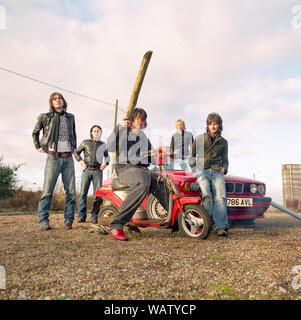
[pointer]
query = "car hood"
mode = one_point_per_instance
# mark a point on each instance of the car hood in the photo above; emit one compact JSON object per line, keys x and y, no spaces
{"x":182,"y":175}
{"x":230,"y":178}
{"x":190,"y":176}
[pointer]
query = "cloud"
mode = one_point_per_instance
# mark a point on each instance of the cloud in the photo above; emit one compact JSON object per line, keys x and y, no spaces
{"x":208,"y":56}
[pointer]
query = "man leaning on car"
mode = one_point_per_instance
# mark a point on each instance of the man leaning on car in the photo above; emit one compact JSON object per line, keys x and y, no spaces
{"x":209,"y":159}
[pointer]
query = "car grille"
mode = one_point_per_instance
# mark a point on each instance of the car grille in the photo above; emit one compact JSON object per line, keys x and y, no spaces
{"x":238,"y":187}
{"x":229,"y":187}
{"x":247,"y":187}
{"x":234,"y":187}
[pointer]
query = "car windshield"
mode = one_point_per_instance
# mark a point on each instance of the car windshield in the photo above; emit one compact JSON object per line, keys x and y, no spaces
{"x":172,"y":166}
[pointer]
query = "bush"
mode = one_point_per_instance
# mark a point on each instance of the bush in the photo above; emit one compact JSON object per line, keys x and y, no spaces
{"x":8,"y":180}
{"x":25,"y":201}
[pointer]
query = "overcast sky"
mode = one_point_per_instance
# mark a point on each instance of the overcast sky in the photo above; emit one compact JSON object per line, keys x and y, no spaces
{"x":240,"y":58}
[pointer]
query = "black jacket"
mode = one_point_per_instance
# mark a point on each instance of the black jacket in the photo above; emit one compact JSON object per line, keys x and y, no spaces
{"x":95,"y":153}
{"x":132,"y":149}
{"x":46,"y":122}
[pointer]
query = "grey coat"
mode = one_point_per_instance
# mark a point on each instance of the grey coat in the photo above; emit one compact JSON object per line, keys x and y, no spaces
{"x":180,"y":144}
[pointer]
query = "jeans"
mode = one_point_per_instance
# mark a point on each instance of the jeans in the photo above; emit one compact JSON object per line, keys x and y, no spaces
{"x":88,"y":176}
{"x":212,"y":185}
{"x":54,"y":166}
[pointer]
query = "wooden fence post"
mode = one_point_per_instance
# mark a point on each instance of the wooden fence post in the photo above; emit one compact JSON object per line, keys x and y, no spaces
{"x":138,"y":83}
{"x":135,"y":93}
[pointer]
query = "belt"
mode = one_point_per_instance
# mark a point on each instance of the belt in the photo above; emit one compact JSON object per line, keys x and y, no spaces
{"x":60,"y":154}
{"x":93,"y":168}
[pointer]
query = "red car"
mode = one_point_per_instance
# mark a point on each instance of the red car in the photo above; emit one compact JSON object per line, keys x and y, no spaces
{"x":246,"y":198}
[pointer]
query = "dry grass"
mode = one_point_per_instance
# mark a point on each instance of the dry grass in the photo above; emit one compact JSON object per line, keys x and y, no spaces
{"x":253,"y":263}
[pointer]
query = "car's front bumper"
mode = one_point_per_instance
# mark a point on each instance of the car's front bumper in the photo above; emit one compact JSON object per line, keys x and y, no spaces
{"x":260,"y":205}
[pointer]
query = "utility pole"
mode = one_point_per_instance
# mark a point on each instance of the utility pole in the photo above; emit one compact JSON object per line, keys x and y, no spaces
{"x":110,"y":173}
{"x":138,"y":83}
{"x":116,"y":109}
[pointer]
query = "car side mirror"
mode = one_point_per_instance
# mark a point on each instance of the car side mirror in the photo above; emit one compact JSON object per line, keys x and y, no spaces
{"x":160,"y":156}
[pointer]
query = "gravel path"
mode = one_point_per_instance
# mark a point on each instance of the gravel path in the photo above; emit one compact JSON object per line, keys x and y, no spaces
{"x":251,"y":263}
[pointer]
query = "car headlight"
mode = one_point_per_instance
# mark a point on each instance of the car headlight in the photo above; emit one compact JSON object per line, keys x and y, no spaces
{"x":253,"y":188}
{"x":191,"y":186}
{"x":195,"y":187}
{"x":260,"y":188}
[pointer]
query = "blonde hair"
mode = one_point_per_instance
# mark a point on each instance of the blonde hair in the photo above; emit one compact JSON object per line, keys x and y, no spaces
{"x":180,"y":120}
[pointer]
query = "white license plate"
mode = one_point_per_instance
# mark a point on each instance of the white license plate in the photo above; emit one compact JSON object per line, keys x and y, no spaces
{"x":239,"y":202}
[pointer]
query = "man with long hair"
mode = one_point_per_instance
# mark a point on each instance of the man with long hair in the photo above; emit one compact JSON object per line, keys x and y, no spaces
{"x":133,"y":156}
{"x":96,"y":158}
{"x":209,"y":159}
{"x":58,"y":142}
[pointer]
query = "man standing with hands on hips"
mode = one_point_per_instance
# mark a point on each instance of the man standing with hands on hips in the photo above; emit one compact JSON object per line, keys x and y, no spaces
{"x":96,"y":158}
{"x":58,"y":142}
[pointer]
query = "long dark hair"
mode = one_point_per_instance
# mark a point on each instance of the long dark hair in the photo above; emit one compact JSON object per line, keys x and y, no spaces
{"x":51,"y":109}
{"x":138,"y":112}
{"x":95,"y":126}
{"x":215,"y":117}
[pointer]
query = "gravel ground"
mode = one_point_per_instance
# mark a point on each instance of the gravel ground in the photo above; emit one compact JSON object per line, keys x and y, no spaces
{"x":250,"y":264}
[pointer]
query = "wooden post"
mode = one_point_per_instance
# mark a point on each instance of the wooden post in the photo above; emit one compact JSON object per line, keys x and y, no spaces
{"x":138,"y":84}
{"x":135,"y":93}
{"x":115,"y":118}
{"x":114,"y":154}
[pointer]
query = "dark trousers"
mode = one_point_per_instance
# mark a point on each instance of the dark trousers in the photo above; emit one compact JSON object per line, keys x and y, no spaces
{"x":88,"y":176}
{"x":141,"y":181}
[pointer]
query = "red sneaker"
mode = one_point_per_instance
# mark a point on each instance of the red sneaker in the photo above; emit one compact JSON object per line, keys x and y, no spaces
{"x":118,"y":234}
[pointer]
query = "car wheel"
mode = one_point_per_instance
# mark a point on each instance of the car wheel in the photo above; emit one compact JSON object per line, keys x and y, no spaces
{"x":106,"y":214}
{"x":194,"y":222}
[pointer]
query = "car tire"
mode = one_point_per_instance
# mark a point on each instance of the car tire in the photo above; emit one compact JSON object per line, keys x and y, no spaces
{"x":106,"y":214}
{"x":197,"y":213}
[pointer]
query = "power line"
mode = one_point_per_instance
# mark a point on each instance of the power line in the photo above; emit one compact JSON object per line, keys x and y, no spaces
{"x":62,"y":89}
{"x":59,"y":88}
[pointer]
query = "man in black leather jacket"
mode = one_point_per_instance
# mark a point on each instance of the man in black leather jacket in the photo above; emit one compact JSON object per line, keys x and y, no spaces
{"x":96,"y":158}
{"x":58,"y":142}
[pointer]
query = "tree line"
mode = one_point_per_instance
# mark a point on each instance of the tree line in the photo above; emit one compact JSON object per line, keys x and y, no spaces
{"x":13,"y":198}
